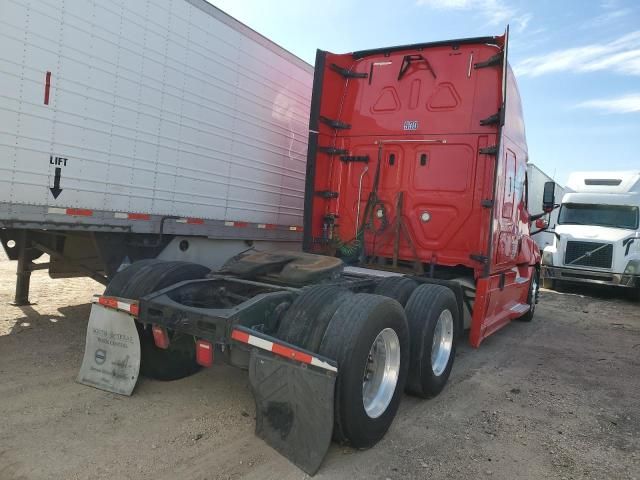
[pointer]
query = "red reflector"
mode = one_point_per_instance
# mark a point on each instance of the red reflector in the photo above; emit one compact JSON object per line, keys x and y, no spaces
{"x":134,"y":309}
{"x":160,"y":337}
{"x":108,"y":302}
{"x":204,"y":353}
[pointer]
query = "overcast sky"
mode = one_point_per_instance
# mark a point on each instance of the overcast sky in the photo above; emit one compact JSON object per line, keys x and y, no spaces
{"x":577,"y":62}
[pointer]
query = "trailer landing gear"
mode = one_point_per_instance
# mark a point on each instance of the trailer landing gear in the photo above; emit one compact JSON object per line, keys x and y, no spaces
{"x":24,"y":269}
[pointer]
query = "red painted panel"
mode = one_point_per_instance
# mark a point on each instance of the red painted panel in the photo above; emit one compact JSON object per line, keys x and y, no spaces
{"x":422,"y":117}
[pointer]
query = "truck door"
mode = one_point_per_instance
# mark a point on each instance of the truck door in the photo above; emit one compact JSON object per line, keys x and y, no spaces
{"x":507,"y":247}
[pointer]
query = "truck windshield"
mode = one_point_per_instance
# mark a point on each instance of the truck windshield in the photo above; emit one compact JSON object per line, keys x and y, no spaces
{"x":617,"y":216}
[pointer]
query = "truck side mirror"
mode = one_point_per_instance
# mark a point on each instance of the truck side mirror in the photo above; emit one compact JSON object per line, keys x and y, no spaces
{"x":542,"y":223}
{"x":549,"y":196}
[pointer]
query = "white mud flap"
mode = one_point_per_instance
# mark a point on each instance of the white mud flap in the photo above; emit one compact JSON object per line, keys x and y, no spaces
{"x":112,"y":351}
{"x":294,"y":408}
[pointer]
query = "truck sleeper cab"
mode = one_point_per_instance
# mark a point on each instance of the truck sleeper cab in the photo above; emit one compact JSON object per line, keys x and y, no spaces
{"x":416,"y":228}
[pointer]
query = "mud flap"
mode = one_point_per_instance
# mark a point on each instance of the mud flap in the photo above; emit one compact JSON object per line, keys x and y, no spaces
{"x":112,"y":351}
{"x":294,"y":408}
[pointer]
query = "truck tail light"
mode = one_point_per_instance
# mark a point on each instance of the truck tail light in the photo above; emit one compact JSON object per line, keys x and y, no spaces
{"x":204,"y":353}
{"x":160,"y":337}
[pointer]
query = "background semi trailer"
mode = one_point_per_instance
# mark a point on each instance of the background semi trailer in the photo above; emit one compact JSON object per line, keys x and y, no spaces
{"x":416,"y":228}
{"x":166,"y":129}
{"x":597,"y":236}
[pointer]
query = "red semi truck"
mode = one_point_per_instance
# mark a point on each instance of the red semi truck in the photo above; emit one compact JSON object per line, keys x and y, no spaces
{"x":416,"y":228}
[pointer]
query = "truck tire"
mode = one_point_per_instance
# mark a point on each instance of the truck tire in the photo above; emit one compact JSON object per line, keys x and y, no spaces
{"x":369,"y":338}
{"x":121,"y":279}
{"x":140,"y":279}
{"x":306,"y":320}
{"x":398,"y":288}
{"x":432,"y":311}
{"x":532,"y":296}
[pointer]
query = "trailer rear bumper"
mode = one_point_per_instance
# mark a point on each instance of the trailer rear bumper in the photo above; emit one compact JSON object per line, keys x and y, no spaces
{"x":589,"y":276}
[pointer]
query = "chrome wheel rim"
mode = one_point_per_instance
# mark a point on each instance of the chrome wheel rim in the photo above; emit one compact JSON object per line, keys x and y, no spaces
{"x":442,"y":343}
{"x":534,"y":292}
{"x":381,"y":373}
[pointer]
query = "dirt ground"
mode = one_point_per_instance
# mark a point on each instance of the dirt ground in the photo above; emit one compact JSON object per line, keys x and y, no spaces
{"x":556,"y":398}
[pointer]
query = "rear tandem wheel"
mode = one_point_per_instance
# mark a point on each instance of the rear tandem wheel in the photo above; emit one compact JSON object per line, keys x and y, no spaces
{"x":140,"y":279}
{"x":367,"y":336}
{"x":369,"y":339}
{"x":432,"y":313}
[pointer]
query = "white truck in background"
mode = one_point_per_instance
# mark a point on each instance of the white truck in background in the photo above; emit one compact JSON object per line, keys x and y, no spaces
{"x":597,"y":236}
{"x":536,"y":180}
{"x":131,"y":130}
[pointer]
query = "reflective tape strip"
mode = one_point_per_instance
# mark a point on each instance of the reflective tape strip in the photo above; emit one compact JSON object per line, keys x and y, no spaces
{"x":281,"y":350}
{"x":236,"y":224}
{"x":84,"y":212}
{"x":75,"y":212}
{"x":191,"y":221}
{"x":132,"y":216}
{"x":115,"y":303}
{"x":79,"y":212}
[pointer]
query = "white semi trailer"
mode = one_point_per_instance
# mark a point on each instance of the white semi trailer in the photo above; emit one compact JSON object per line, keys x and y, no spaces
{"x":131,"y":130}
{"x":597,"y":236}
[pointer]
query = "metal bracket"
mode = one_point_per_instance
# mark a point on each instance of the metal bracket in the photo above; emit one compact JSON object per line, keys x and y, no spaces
{"x":355,"y":158}
{"x":492,"y":150}
{"x":487,"y":203}
{"x":347,"y":73}
{"x":406,"y":62}
{"x":333,"y":150}
{"x":491,"y":119}
{"x":337,"y":124}
{"x":327,"y":194}
{"x":478,"y":257}
{"x":491,"y":62}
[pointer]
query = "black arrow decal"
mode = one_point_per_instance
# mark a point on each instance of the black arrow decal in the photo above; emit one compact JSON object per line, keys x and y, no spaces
{"x":56,"y":190}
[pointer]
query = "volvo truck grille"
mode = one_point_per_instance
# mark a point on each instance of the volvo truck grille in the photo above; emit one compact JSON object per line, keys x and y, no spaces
{"x":589,"y":254}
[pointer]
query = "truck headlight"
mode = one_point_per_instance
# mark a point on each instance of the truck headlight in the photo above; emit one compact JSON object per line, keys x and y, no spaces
{"x":633,"y":268}
{"x":547,"y":258}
